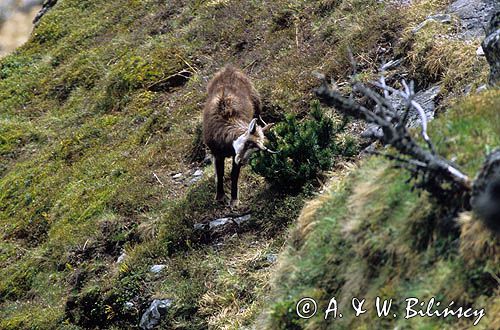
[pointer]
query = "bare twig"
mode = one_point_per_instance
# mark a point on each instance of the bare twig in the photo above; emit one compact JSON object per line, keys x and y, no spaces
{"x":158,"y":179}
{"x":432,"y":168}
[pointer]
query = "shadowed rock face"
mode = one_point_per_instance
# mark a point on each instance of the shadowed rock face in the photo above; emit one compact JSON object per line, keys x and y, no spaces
{"x":491,"y":48}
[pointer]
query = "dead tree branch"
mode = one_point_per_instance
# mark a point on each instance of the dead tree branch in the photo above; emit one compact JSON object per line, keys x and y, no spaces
{"x":437,"y":175}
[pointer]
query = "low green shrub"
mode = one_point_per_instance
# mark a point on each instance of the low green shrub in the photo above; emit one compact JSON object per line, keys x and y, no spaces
{"x":305,"y":148}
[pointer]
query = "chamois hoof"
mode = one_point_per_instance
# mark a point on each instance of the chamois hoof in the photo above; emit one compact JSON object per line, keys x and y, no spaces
{"x":222,"y":199}
{"x":234,"y":203}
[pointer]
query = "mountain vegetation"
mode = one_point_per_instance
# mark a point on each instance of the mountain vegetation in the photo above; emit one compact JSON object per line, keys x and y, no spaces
{"x":103,"y":172}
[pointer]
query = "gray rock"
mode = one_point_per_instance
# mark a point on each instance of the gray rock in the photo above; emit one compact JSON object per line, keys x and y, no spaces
{"x":481,"y":88}
{"x":121,"y":258}
{"x":425,"y":98}
{"x":128,"y":305}
{"x":177,"y":176}
{"x":198,"y":173}
{"x":194,"y":180}
{"x":480,"y":51}
{"x":272,"y":258}
{"x":152,"y":316}
{"x":441,"y":18}
{"x":491,"y":47}
{"x":474,"y":15}
{"x":157,"y":268}
{"x":220,"y":223}
{"x":207,"y":160}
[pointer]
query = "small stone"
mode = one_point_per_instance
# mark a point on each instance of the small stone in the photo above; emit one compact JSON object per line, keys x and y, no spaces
{"x":194,"y":180}
{"x":243,"y":218}
{"x":198,"y":173}
{"x":177,"y":176}
{"x":441,"y":18}
{"x":481,"y":88}
{"x":467,"y":89}
{"x":207,"y":160}
{"x":152,"y":316}
{"x":200,"y":226}
{"x":272,"y":258}
{"x":219,"y":222}
{"x":480,"y":51}
{"x":121,"y":258}
{"x":157,"y":268}
{"x":128,"y":305}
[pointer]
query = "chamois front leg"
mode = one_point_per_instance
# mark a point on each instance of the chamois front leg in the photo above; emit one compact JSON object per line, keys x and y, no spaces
{"x":235,"y":173}
{"x":219,"y":179}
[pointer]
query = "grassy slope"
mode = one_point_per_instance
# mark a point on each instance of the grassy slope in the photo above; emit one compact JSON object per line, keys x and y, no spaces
{"x":370,"y":236}
{"x":91,"y":107}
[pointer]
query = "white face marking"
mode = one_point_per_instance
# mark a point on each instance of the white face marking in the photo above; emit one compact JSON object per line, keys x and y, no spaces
{"x":239,"y":143}
{"x":242,"y":150}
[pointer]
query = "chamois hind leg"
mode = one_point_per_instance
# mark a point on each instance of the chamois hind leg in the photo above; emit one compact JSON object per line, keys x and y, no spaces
{"x":235,"y":173}
{"x":219,"y":179}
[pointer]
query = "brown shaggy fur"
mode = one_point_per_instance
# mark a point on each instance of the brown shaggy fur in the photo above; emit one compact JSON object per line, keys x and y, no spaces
{"x":231,"y":105}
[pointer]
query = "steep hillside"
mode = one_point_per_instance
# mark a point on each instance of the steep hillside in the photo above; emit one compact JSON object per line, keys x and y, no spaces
{"x":103,"y":173}
{"x":370,"y":236}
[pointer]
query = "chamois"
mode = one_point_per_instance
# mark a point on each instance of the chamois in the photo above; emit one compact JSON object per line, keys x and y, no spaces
{"x":230,"y":126}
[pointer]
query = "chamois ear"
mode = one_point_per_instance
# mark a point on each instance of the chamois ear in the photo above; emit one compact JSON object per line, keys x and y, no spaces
{"x":252,"y":126}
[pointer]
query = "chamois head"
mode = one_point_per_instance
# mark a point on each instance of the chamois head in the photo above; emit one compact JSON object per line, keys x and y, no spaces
{"x":250,"y":141}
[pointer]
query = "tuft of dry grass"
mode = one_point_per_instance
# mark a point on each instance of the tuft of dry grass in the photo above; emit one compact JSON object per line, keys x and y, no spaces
{"x":362,"y":193}
{"x":476,"y":241}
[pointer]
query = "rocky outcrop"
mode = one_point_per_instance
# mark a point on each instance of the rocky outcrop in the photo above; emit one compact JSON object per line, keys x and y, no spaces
{"x":426,"y":98}
{"x":491,"y":48}
{"x":473,"y":14}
